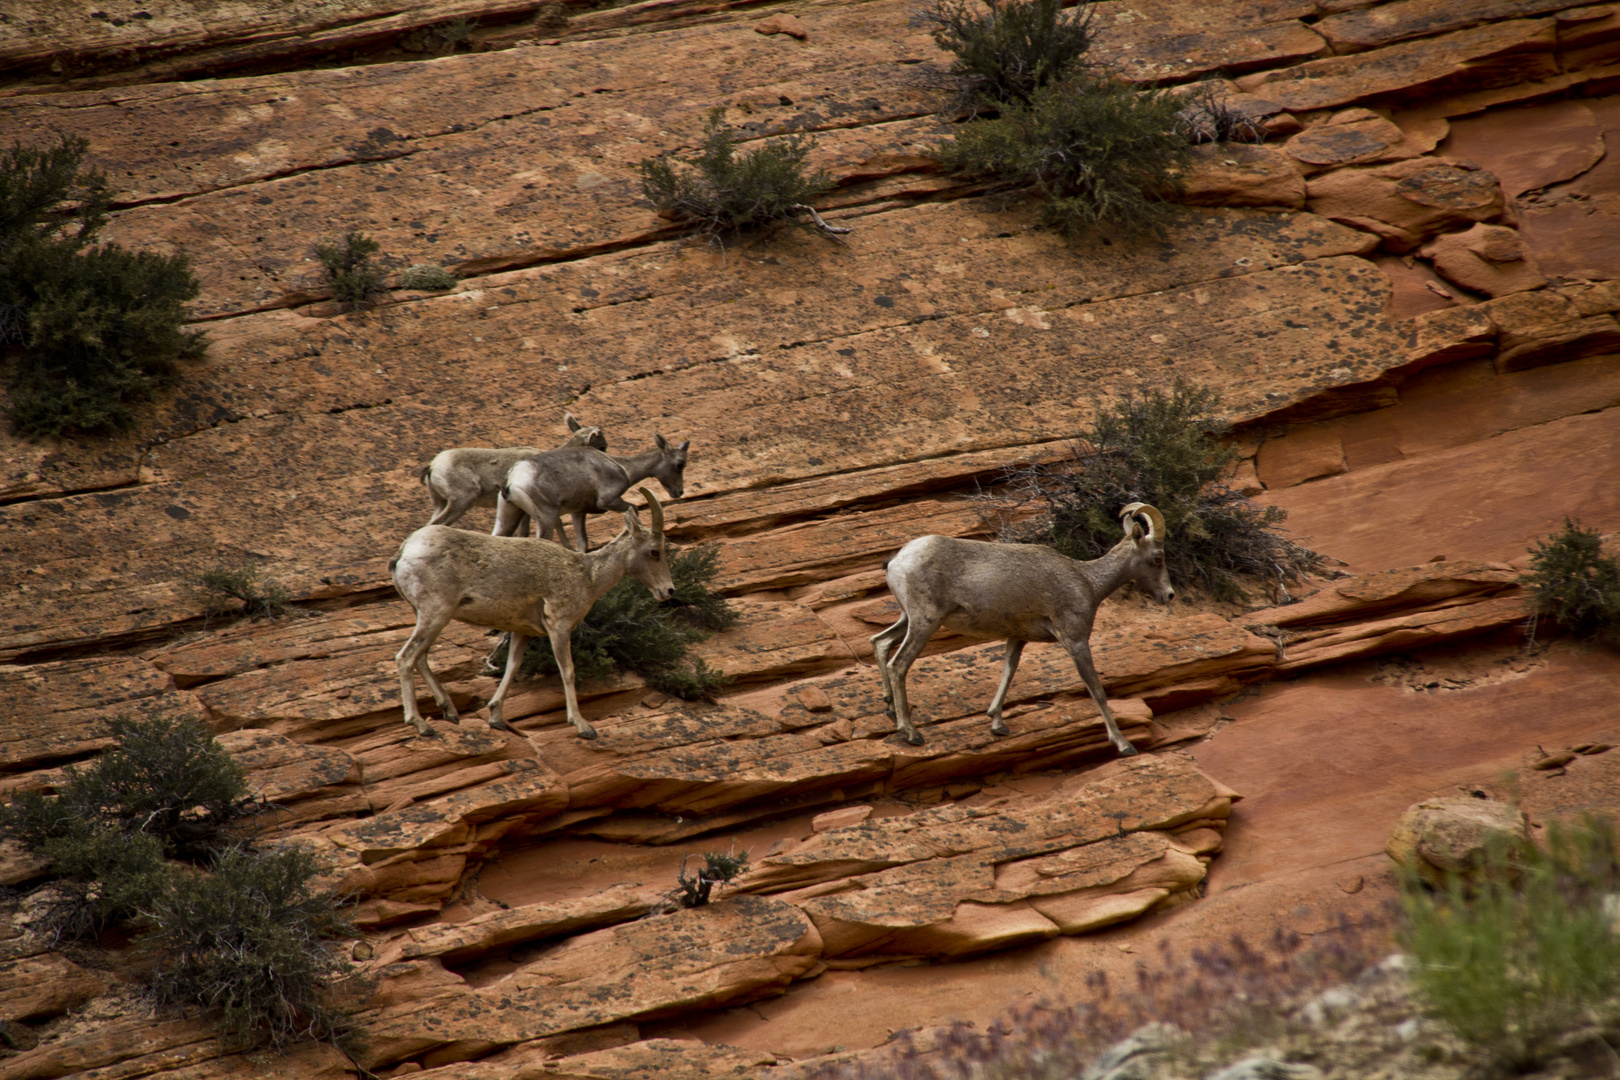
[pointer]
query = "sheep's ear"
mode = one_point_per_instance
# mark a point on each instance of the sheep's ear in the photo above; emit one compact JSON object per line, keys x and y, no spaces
{"x":573,"y":424}
{"x":659,"y":439}
{"x":633,"y":522}
{"x":684,"y":445}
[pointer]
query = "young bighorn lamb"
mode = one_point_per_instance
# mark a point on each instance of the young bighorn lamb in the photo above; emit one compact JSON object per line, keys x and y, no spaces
{"x":512,"y":583}
{"x":1020,"y":592}
{"x":580,"y":481}
{"x":468,"y":476}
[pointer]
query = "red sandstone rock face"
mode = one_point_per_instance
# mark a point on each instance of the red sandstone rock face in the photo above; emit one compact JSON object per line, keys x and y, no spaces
{"x":1423,"y":417}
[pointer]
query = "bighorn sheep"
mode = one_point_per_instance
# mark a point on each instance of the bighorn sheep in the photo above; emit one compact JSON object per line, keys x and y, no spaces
{"x":516,"y":585}
{"x":1020,"y":592}
{"x":577,"y":480}
{"x":468,"y":476}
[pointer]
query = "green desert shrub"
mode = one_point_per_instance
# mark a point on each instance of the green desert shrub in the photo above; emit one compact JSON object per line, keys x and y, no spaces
{"x":722,"y":192}
{"x":166,"y":778}
{"x":1099,"y":152}
{"x":1163,"y":449}
{"x":628,"y":630}
{"x":1574,"y":584}
{"x":166,"y":789}
{"x":254,"y":946}
{"x":249,"y":942}
{"x":427,"y":276}
{"x":356,"y":280}
{"x":225,"y":586}
{"x":1006,"y":50}
{"x":1516,"y":957}
{"x":104,"y":877}
{"x":86,"y":328}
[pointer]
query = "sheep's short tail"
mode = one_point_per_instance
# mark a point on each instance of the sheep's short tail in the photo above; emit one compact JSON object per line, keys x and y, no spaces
{"x":422,"y":473}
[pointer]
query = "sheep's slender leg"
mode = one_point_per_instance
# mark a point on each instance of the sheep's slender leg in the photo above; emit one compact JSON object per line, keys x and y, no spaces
{"x":562,"y":649}
{"x":516,"y":646}
{"x":428,"y":627}
{"x":439,"y":693}
{"x":1009,"y":668}
{"x":917,"y":634}
{"x":508,"y":517}
{"x":581,"y":544}
{"x":882,"y":642}
{"x":449,"y":509}
{"x":1081,"y":652}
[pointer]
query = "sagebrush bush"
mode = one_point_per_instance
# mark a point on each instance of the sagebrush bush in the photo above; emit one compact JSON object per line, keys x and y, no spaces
{"x":1162,"y":449}
{"x":1006,"y":50}
{"x":86,"y":329}
{"x":427,"y":276}
{"x":225,"y":586}
{"x":1097,"y":150}
{"x":1515,"y":957}
{"x":721,"y":192}
{"x":631,"y":631}
{"x":1574,"y":584}
{"x":253,"y":945}
{"x":356,"y":280}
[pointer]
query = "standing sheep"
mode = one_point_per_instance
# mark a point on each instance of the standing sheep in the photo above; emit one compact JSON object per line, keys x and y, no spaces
{"x":467,"y":476}
{"x":1020,"y":592}
{"x":514,"y":584}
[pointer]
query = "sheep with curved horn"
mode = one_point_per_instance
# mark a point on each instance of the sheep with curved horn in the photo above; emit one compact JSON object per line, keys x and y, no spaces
{"x":1020,"y":592}
{"x":514,"y":584}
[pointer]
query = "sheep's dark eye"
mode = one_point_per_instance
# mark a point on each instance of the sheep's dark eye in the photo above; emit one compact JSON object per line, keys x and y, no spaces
{"x":655,"y":555}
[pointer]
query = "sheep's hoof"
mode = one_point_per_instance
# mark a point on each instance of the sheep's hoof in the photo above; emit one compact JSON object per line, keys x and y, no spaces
{"x":914,"y":739}
{"x":452,"y":717}
{"x":1127,"y":750}
{"x":425,"y":730}
{"x":500,"y":725}
{"x":999,"y":727}
{"x":587,"y":733}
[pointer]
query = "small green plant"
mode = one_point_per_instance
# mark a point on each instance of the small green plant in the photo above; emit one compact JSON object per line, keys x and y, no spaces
{"x":721,"y":192}
{"x":717,"y":867}
{"x":253,"y":945}
{"x":1099,"y":152}
{"x":427,"y":276}
{"x":225,"y":586}
{"x":1162,"y":449}
{"x":86,"y":329}
{"x":1574,"y":584}
{"x":1515,"y":957}
{"x":1006,"y":50}
{"x":629,"y":630}
{"x":356,"y":282}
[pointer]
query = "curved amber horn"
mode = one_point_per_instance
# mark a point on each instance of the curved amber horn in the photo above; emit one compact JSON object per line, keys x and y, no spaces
{"x":658,"y":511}
{"x":1156,"y":529}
